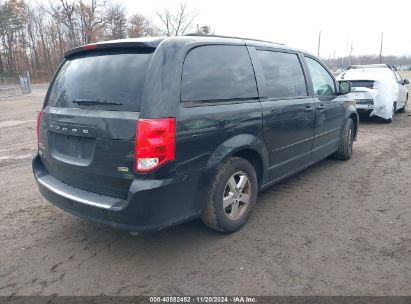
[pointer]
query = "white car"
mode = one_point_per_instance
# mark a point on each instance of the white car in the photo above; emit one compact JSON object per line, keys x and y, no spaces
{"x":377,"y":89}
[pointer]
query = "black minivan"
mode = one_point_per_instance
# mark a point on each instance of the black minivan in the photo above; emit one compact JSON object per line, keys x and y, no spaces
{"x":143,"y":134}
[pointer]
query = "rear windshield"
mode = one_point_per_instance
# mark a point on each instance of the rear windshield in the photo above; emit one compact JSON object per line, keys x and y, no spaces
{"x":362,"y":83}
{"x":109,"y":80}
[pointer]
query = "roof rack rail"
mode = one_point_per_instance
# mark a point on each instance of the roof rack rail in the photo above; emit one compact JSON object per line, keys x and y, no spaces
{"x":232,"y":37}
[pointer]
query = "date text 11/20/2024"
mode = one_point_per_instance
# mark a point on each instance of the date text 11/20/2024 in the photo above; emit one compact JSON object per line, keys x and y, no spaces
{"x":188,"y":299}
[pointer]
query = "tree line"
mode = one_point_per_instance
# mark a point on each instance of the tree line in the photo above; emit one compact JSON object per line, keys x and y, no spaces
{"x":34,"y":37}
{"x":344,"y":62}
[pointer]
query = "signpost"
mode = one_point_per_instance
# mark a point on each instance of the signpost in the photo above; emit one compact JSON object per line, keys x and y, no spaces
{"x":25,"y":84}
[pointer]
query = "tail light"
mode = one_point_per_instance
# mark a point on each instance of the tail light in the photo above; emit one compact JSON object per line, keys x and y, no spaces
{"x":155,"y":143}
{"x":38,"y":125}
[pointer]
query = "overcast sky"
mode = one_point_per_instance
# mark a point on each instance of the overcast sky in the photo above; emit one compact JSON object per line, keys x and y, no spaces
{"x":297,"y":22}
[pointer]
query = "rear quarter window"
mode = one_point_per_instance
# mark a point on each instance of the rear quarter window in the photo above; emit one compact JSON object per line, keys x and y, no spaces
{"x":218,"y":73}
{"x":103,"y":76}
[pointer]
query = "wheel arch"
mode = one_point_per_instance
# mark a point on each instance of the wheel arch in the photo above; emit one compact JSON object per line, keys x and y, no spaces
{"x":354,"y":116}
{"x":246,"y":146}
{"x":255,"y":159}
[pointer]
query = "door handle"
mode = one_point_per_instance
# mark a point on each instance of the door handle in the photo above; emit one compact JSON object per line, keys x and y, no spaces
{"x":321,"y":107}
{"x":308,"y":109}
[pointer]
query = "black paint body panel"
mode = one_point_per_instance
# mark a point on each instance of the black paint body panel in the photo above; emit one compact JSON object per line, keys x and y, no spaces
{"x":285,"y":135}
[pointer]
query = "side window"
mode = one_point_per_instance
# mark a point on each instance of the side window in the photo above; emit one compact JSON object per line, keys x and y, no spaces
{"x":399,"y":79}
{"x":323,"y":83}
{"x":284,"y":76}
{"x":218,"y":72}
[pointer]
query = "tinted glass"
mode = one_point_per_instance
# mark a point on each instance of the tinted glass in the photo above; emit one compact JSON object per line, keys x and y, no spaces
{"x":362,"y":83}
{"x":218,"y":72}
{"x":323,"y":83}
{"x":103,"y":77}
{"x":283,"y":73}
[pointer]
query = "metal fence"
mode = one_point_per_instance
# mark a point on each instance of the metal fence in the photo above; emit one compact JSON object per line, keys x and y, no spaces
{"x":15,"y":85}
{"x":9,"y":81}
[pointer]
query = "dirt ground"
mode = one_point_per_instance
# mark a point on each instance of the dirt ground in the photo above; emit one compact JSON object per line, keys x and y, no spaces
{"x":338,"y":228}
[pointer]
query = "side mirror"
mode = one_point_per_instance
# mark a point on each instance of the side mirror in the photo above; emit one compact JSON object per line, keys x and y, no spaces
{"x":344,"y":87}
{"x":405,"y":81}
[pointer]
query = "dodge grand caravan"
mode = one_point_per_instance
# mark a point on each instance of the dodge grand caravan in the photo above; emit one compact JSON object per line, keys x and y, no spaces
{"x":143,"y":134}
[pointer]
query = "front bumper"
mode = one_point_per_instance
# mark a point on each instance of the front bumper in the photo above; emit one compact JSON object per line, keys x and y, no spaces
{"x":151,"y":204}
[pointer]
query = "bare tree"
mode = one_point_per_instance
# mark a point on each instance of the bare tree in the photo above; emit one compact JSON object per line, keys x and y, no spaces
{"x":116,"y":22}
{"x":34,"y":37}
{"x":41,"y":31}
{"x":139,"y":26}
{"x":11,"y":28}
{"x":177,"y":23}
{"x":65,"y":13}
{"x":136,"y":26}
{"x":91,"y":19}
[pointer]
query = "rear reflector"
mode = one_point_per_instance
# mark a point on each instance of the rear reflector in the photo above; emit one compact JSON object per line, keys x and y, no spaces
{"x":38,"y":125}
{"x":155,"y":143}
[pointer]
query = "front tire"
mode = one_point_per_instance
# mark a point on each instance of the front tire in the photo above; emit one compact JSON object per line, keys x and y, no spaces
{"x":344,"y":151}
{"x":232,"y":196}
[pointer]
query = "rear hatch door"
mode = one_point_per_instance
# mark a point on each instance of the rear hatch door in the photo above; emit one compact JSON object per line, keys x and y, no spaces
{"x":88,"y":126}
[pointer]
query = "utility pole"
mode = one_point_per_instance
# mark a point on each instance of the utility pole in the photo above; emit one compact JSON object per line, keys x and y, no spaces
{"x":345,"y":55}
{"x":382,"y":37}
{"x":351,"y":53}
{"x":319,"y":43}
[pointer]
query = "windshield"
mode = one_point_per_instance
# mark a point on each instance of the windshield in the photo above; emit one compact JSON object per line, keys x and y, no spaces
{"x":109,"y":80}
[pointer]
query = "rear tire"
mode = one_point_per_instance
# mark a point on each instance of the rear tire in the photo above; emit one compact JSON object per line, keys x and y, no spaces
{"x":404,"y":108}
{"x":232,"y":196}
{"x":344,"y":151}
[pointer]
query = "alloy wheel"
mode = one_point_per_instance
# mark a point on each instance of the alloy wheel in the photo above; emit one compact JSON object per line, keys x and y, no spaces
{"x":236,"y":197}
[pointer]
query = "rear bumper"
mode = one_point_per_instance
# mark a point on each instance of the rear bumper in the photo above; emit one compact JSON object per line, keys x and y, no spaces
{"x":365,"y":107}
{"x":364,"y":104}
{"x":151,"y":204}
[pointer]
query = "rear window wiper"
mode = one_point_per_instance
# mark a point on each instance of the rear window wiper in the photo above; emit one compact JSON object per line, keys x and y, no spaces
{"x":91,"y":102}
